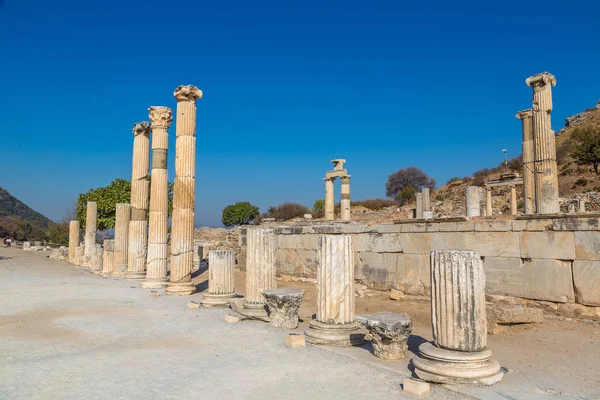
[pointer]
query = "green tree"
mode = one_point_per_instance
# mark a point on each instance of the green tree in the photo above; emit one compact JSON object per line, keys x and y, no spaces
{"x":319,"y":206}
{"x":241,"y":213}
{"x":587,"y":147}
{"x":399,"y":183}
{"x":406,"y":194}
{"x":59,"y":233}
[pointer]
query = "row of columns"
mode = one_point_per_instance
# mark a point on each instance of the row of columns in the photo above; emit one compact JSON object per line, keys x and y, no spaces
{"x":473,"y":201}
{"x":345,"y":204}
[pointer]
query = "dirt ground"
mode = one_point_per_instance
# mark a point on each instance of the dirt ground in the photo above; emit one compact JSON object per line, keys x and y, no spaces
{"x":556,"y":358}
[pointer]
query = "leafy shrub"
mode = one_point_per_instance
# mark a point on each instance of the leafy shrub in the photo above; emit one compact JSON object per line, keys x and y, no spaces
{"x":581,"y":182}
{"x":454,"y":181}
{"x":319,"y":206}
{"x":241,"y":213}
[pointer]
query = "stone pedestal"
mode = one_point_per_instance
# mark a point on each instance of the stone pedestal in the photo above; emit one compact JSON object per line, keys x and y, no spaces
{"x":427,"y":214}
{"x":91,"y":220}
{"x":419,"y":201}
{"x":260,"y":271}
{"x":108,"y":258}
{"x":528,"y":161}
{"x":284,"y":305}
{"x":345,"y":200}
{"x":138,"y":226}
{"x":458,"y":315}
{"x":389,"y":333}
{"x":221,"y":279}
{"x":122,"y":218}
{"x":73,"y":240}
{"x":335,"y":323}
{"x":513,"y":200}
{"x":488,"y":202}
{"x":156,"y":262}
{"x":329,"y":200}
{"x":473,"y":201}
{"x":182,"y":226}
{"x":546,"y":171}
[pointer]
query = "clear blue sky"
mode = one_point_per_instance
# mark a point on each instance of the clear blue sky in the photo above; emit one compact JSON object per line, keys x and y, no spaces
{"x":288,"y":85}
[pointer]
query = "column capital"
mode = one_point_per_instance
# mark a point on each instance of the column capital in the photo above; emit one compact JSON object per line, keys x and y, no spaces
{"x":523,"y":114}
{"x":187,"y":93}
{"x":141,"y":128}
{"x":161,"y":117}
{"x":541,"y":80}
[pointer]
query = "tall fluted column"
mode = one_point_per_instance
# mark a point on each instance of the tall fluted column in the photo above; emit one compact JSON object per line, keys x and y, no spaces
{"x":335,"y":323}
{"x":345,"y":204}
{"x":419,"y":205}
{"x":528,"y":161}
{"x":458,"y":317}
{"x":91,"y":220}
{"x":221,"y":278}
{"x":182,"y":227}
{"x":426,"y":199}
{"x":73,"y":239}
{"x":488,"y":202}
{"x":260,"y":271}
{"x":472,"y":200}
{"x":108,"y":258}
{"x":513,"y":200}
{"x":122,"y":218}
{"x":329,"y":200}
{"x":546,"y":171}
{"x":156,"y":267}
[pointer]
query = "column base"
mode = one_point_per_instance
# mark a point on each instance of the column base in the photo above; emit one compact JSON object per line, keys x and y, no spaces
{"x":180,"y":288}
{"x":216,"y":300}
{"x":96,"y":272}
{"x":255,"y":311}
{"x":135,"y":275}
{"x":439,"y":365}
{"x":343,"y":335}
{"x":157,"y":283}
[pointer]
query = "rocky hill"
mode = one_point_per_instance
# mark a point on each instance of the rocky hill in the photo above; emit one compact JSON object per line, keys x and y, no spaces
{"x":10,"y":206}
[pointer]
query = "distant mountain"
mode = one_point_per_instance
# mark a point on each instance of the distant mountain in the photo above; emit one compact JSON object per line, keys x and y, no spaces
{"x":10,"y":206}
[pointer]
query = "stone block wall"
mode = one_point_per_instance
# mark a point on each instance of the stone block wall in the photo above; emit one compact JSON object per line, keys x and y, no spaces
{"x":544,"y":259}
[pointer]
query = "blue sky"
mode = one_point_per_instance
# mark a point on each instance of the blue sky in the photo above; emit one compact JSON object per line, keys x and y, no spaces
{"x":288,"y":85}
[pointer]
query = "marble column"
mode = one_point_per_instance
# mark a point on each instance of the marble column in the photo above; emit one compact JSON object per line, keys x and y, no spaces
{"x":345,"y":204}
{"x":472,"y":201}
{"x":91,"y":220}
{"x":335,"y":323}
{"x":122,"y":219}
{"x":156,"y":266}
{"x":426,"y":199}
{"x":528,"y":161}
{"x":138,"y":225}
{"x":458,"y":353}
{"x":419,"y":201}
{"x":108,"y":258}
{"x":260,"y":271}
{"x":488,"y":202}
{"x":513,"y":200}
{"x":73,"y":239}
{"x":546,"y":171}
{"x":329,"y":199}
{"x":97,"y":260}
{"x":221,"y":279}
{"x":184,"y":192}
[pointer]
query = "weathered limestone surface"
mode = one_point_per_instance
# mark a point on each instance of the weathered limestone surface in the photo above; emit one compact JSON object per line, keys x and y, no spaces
{"x":108,"y":258}
{"x":91,"y":220}
{"x":419,"y":205}
{"x":504,"y":276}
{"x":547,"y":279}
{"x":426,"y":199}
{"x":546,"y":173}
{"x":260,"y":271}
{"x":389,"y":333}
{"x":528,"y":155}
{"x":345,"y":199}
{"x":182,"y":226}
{"x":335,"y":323}
{"x":558,"y":245}
{"x":458,"y":315}
{"x":221,"y":279}
{"x":138,"y":227}
{"x":73,"y":239}
{"x":96,"y":263}
{"x":122,"y":218}
{"x":283,"y":305}
{"x":329,"y":199}
{"x":473,"y":201}
{"x":156,"y":262}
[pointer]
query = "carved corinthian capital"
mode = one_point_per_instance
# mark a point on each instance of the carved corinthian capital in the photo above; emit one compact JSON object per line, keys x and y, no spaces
{"x":541,"y":80}
{"x":141,"y":128}
{"x":160,"y":116}
{"x":187,"y":93}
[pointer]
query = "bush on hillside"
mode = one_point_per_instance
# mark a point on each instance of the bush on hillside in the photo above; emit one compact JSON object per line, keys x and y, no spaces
{"x":241,"y":213}
{"x":402,"y":184}
{"x":287,"y":211}
{"x":586,"y":150}
{"x":374,"y":204}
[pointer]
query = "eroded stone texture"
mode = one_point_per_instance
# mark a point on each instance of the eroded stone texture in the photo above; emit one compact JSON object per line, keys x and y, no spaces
{"x":389,"y":333}
{"x":335,"y":323}
{"x":122,"y":218}
{"x":96,"y":263}
{"x":108,"y":258}
{"x":73,"y":239}
{"x":473,"y":201}
{"x":283,"y":305}
{"x":136,"y":253}
{"x":260,"y":271}
{"x":182,"y":226}
{"x":91,"y":220}
{"x":528,"y":161}
{"x":221,"y":279}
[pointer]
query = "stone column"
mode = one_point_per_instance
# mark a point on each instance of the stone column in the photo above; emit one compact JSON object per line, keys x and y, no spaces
{"x":581,"y":205}
{"x":156,"y":266}
{"x":472,"y":201}
{"x":96,"y":264}
{"x":546,"y":172}
{"x":260,"y":271}
{"x":345,"y":201}
{"x":458,"y":316}
{"x":91,"y":220}
{"x":426,"y":199}
{"x":122,"y":219}
{"x":329,"y":199}
{"x":73,"y":239}
{"x":138,"y":226}
{"x":528,"y":162}
{"x":182,"y":226}
{"x":221,"y":279}
{"x":488,"y":202}
{"x":335,"y":323}
{"x":419,"y":199}
{"x":513,"y":200}
{"x":108,"y":258}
